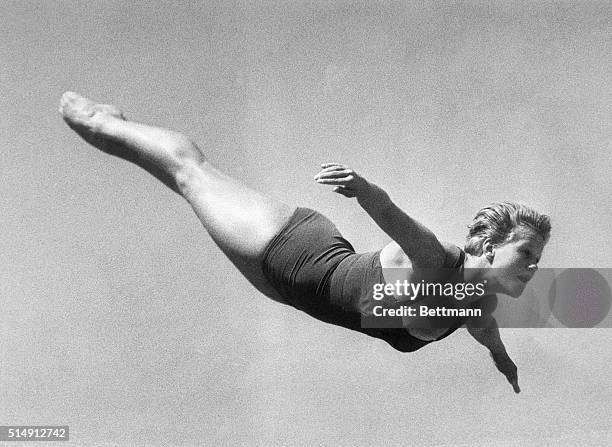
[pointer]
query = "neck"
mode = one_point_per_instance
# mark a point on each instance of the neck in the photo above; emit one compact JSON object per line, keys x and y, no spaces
{"x":478,"y":270}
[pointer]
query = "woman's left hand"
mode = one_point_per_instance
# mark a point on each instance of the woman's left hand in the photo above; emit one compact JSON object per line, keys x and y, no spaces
{"x":346,"y":181}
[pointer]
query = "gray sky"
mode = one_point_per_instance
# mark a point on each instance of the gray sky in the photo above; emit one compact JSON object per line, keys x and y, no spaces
{"x":122,"y":319}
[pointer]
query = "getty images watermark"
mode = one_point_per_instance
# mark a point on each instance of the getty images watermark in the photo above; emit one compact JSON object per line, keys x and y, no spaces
{"x":553,"y":298}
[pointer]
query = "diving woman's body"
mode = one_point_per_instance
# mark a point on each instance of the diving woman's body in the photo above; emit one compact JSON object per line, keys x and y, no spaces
{"x":244,"y":223}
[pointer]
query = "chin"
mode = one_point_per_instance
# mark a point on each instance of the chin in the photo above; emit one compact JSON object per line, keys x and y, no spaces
{"x":513,"y":289}
{"x":516,"y":291}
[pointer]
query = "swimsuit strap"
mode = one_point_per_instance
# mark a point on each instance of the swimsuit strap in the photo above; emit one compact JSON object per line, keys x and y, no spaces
{"x":461,"y":259}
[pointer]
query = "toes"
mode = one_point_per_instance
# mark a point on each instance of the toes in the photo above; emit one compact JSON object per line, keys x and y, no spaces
{"x":64,"y":100}
{"x":77,"y":108}
{"x":71,"y":104}
{"x":69,"y":99}
{"x":69,"y":96}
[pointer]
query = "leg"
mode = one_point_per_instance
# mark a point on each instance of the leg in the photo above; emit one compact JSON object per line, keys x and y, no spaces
{"x":241,"y":221}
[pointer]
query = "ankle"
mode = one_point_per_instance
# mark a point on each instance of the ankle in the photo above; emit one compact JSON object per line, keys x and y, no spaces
{"x":188,"y":176}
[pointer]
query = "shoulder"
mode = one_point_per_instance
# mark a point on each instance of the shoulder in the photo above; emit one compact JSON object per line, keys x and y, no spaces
{"x":454,"y":256}
{"x":487,"y":304}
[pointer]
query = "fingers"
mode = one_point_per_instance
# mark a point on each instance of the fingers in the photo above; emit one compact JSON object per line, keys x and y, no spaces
{"x":340,"y":176}
{"x":513,"y":379}
{"x":331,"y":165}
{"x":506,"y":366}
{"x":515,"y":385}
{"x":333,"y":170}
{"x":336,"y":181}
{"x":333,"y":173}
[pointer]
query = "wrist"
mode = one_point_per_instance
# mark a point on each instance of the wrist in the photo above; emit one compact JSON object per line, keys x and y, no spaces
{"x":365,"y":192}
{"x":370,"y":194}
{"x":499,"y":356}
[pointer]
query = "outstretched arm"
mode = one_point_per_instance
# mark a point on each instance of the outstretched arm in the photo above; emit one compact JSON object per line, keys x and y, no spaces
{"x":417,"y":241}
{"x":486,"y":332}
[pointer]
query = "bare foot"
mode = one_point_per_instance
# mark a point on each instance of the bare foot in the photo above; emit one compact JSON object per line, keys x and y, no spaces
{"x":97,"y":124}
{"x":87,"y":119}
{"x":81,"y":111}
{"x":164,"y":153}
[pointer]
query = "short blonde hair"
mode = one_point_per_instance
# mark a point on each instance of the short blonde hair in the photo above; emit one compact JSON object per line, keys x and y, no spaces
{"x":498,"y":222}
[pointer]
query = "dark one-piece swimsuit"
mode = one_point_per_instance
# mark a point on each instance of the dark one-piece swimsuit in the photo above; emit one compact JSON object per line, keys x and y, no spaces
{"x":317,"y":271}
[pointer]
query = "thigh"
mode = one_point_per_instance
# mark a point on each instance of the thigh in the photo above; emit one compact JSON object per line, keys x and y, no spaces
{"x":240,"y":220}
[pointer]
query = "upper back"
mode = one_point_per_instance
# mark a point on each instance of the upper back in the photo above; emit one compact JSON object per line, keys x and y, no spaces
{"x":392,"y":256}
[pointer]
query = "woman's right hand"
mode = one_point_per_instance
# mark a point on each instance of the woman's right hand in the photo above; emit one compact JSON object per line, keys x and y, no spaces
{"x":346,"y":181}
{"x":506,"y":366}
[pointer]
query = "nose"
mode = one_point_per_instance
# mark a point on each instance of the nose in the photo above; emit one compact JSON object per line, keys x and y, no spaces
{"x":532,"y":267}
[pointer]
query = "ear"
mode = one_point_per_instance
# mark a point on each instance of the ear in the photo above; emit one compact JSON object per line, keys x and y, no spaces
{"x":488,"y":250}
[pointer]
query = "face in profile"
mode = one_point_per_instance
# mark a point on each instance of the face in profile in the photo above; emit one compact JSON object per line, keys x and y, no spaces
{"x":516,"y":261}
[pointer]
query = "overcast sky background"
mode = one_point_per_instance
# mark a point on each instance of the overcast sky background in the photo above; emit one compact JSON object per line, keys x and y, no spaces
{"x":121,"y":319}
